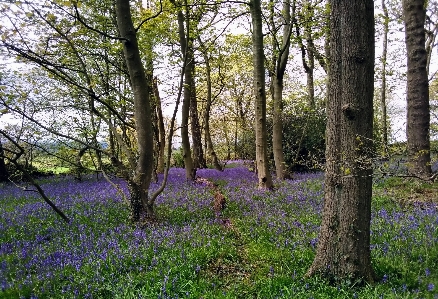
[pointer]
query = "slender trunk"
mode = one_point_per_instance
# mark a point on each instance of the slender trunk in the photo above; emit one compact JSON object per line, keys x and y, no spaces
{"x":418,"y":115}
{"x":310,"y":83}
{"x":277,"y":130}
{"x":383,"y":91}
{"x":430,"y":44}
{"x":310,"y":56}
{"x":198,"y":154}
{"x":161,"y":130}
{"x":79,"y":168}
{"x":343,"y":250}
{"x":279,"y":59}
{"x":264,"y":176}
{"x":140,"y":182}
{"x":228,"y":142}
{"x":209,"y":142}
{"x":185,"y":110}
{"x":307,"y":55}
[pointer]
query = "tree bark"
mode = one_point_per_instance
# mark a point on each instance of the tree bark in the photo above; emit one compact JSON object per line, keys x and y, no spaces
{"x":161,"y":130}
{"x":343,"y":250}
{"x":418,"y":115}
{"x":185,"y":110}
{"x":309,"y":63}
{"x":3,"y":171}
{"x":209,"y":100}
{"x":383,"y":91}
{"x":198,"y":153}
{"x":310,"y":54}
{"x":264,"y":176}
{"x":140,"y":182}
{"x":280,"y":58}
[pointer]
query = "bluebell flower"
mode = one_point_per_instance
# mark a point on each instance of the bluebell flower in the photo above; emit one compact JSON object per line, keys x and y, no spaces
{"x":427,"y":272}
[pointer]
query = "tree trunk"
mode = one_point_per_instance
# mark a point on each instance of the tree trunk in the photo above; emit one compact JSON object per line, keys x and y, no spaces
{"x":210,"y":148}
{"x":383,"y":91}
{"x":198,"y":154}
{"x":310,"y":78}
{"x":3,"y":171}
{"x":279,"y":62}
{"x":161,"y":130}
{"x":264,"y":176}
{"x":343,"y":250}
{"x":185,"y":110}
{"x":309,"y":63}
{"x":310,"y":56}
{"x":140,"y":182}
{"x":418,"y":116}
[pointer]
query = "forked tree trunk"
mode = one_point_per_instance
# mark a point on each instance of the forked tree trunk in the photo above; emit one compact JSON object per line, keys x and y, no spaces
{"x":307,"y":54}
{"x":140,"y":182}
{"x":418,"y":116}
{"x":279,"y":62}
{"x":264,"y":176}
{"x":343,"y":250}
{"x":185,"y":110}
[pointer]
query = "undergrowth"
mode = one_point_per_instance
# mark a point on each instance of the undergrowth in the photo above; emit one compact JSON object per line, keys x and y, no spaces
{"x":263,"y":250}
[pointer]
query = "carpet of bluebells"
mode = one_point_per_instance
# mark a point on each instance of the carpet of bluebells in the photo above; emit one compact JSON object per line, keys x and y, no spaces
{"x":263,"y":251}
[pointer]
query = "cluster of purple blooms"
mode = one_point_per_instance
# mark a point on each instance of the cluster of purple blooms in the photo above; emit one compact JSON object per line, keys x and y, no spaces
{"x":39,"y":253}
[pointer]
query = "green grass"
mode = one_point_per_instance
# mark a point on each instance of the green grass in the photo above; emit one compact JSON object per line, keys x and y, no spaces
{"x":264,"y":253}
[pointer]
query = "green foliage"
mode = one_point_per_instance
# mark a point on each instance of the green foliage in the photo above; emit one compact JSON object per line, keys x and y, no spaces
{"x":245,"y":146}
{"x":177,"y":159}
{"x":303,"y":136}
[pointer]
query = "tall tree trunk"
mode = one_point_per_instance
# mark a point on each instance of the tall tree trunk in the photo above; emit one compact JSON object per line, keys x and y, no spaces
{"x":310,"y":83}
{"x":161,"y":130}
{"x":198,"y":154}
{"x":140,"y":182}
{"x":383,"y":91}
{"x":209,"y":100}
{"x":185,"y":110}
{"x":309,"y":62}
{"x":280,"y":57}
{"x":310,"y":53}
{"x":264,"y":176}
{"x":3,"y":171}
{"x":418,"y":116}
{"x":343,"y":250}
